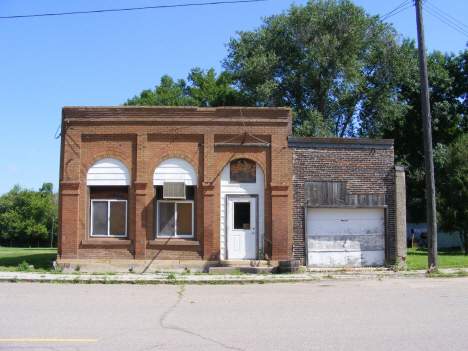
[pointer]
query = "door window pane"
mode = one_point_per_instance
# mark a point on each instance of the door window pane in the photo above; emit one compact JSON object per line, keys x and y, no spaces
{"x":99,"y":213}
{"x":166,"y":218}
{"x":118,"y":211}
{"x":184,"y":218}
{"x":241,"y":215}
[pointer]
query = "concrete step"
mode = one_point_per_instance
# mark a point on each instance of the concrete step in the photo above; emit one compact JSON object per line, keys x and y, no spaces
{"x":247,"y":263}
{"x":244,"y":269}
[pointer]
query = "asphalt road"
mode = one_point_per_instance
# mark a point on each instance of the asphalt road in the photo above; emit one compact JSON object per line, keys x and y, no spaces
{"x":396,"y":314}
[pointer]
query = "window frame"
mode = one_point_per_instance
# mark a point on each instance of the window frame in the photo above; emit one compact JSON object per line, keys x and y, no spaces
{"x":175,"y":235}
{"x":108,"y":235}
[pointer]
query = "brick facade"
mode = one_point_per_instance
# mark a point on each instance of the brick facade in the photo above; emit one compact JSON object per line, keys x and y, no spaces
{"x":143,"y":137}
{"x":367,"y":167}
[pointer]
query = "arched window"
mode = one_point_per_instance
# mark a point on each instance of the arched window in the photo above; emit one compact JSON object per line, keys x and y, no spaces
{"x":108,"y":180}
{"x":175,"y":183}
{"x":108,"y":171}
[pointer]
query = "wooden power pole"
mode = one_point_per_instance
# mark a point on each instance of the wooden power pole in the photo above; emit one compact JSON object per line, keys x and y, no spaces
{"x":428,"y":155}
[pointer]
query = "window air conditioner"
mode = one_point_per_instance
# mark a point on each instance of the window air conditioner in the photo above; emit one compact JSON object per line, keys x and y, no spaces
{"x":174,"y":190}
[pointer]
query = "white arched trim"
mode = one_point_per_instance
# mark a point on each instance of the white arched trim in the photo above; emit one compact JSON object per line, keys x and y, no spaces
{"x":108,"y":171}
{"x":175,"y":170}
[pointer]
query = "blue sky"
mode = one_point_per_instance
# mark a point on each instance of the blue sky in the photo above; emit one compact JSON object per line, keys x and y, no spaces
{"x":103,"y":59}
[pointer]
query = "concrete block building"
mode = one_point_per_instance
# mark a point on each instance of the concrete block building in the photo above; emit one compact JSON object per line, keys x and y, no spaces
{"x":199,"y":187}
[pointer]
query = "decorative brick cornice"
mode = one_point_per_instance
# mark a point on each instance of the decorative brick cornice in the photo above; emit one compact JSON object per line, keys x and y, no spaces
{"x":140,"y":187}
{"x":70,"y":187}
{"x":279,"y":189}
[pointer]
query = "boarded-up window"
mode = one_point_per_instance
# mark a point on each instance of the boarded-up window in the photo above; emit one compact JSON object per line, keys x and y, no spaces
{"x":243,"y":171}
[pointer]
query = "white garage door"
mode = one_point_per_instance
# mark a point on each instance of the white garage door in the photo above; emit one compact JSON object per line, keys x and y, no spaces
{"x":352,"y":237}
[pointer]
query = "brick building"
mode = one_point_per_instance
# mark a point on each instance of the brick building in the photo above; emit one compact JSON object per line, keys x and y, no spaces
{"x":190,"y":186}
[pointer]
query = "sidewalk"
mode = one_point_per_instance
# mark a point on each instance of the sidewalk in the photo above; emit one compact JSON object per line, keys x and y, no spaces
{"x":174,"y":278}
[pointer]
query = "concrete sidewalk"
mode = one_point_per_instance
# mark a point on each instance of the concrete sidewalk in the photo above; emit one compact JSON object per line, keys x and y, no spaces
{"x":206,"y":278}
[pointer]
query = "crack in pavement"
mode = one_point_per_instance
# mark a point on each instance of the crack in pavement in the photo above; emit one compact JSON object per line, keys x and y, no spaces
{"x":205,"y":338}
{"x":164,"y":315}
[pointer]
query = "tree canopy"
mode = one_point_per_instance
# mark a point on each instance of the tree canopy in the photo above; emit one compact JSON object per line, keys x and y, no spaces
{"x":447,"y":95}
{"x":204,"y":88}
{"x":335,"y":65}
{"x":26,"y":216}
{"x":453,"y":197}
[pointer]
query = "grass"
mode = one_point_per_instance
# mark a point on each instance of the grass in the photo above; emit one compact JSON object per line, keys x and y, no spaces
{"x":13,"y":257}
{"x":447,"y":258}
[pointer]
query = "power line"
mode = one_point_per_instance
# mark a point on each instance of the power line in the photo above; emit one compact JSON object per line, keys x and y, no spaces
{"x":399,"y":6}
{"x":132,"y":9}
{"x":384,"y":18}
{"x":445,"y":21}
{"x":436,"y":8}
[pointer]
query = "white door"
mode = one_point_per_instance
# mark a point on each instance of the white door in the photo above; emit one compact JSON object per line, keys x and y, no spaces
{"x":338,"y":237}
{"x":241,"y":228}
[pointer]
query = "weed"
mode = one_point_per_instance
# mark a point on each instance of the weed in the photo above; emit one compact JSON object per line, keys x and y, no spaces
{"x":23,"y":267}
{"x":14,"y":280}
{"x":328,"y":276}
{"x":263,"y":281}
{"x":78,"y":267}
{"x":181,"y":291}
{"x":171,"y":276}
{"x":217,"y":282}
{"x":76,"y":280}
{"x":236,"y":272}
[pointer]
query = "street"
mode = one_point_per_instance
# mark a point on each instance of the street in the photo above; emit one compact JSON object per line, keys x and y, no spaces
{"x":399,"y":314}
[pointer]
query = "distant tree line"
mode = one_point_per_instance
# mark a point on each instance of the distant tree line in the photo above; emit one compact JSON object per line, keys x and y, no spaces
{"x":28,"y":217}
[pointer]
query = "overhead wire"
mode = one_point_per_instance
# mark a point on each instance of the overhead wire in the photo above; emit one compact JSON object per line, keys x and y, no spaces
{"x":391,"y":14}
{"x":132,"y":9}
{"x":447,"y":21}
{"x":436,"y":8}
{"x":387,"y":15}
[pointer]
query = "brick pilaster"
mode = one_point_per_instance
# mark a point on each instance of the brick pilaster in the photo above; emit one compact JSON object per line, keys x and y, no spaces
{"x":140,"y":186}
{"x":209,"y":242}
{"x":139,"y":242}
{"x":69,"y":213}
{"x":281,"y":239}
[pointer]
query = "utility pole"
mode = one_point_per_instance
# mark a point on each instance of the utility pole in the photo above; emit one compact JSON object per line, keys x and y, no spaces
{"x":428,"y":155}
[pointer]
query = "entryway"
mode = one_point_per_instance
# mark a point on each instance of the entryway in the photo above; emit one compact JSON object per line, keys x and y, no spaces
{"x":242,"y":228}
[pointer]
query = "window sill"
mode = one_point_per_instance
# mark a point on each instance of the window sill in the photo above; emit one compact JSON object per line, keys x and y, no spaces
{"x":173,"y":242}
{"x":106,"y":242}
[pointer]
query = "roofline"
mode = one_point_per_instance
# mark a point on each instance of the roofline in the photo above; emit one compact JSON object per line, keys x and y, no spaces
{"x":339,"y":142}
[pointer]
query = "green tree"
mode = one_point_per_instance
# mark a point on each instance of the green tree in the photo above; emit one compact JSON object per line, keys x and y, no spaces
{"x":446,"y":101}
{"x":453,"y":191}
{"x":27,"y":216}
{"x":204,"y":89}
{"x":336,"y":66}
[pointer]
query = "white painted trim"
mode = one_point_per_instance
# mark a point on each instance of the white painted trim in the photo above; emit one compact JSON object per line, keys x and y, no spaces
{"x":108,"y":219}
{"x":175,"y":219}
{"x":175,"y":170}
{"x":236,"y":189}
{"x":108,"y":171}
